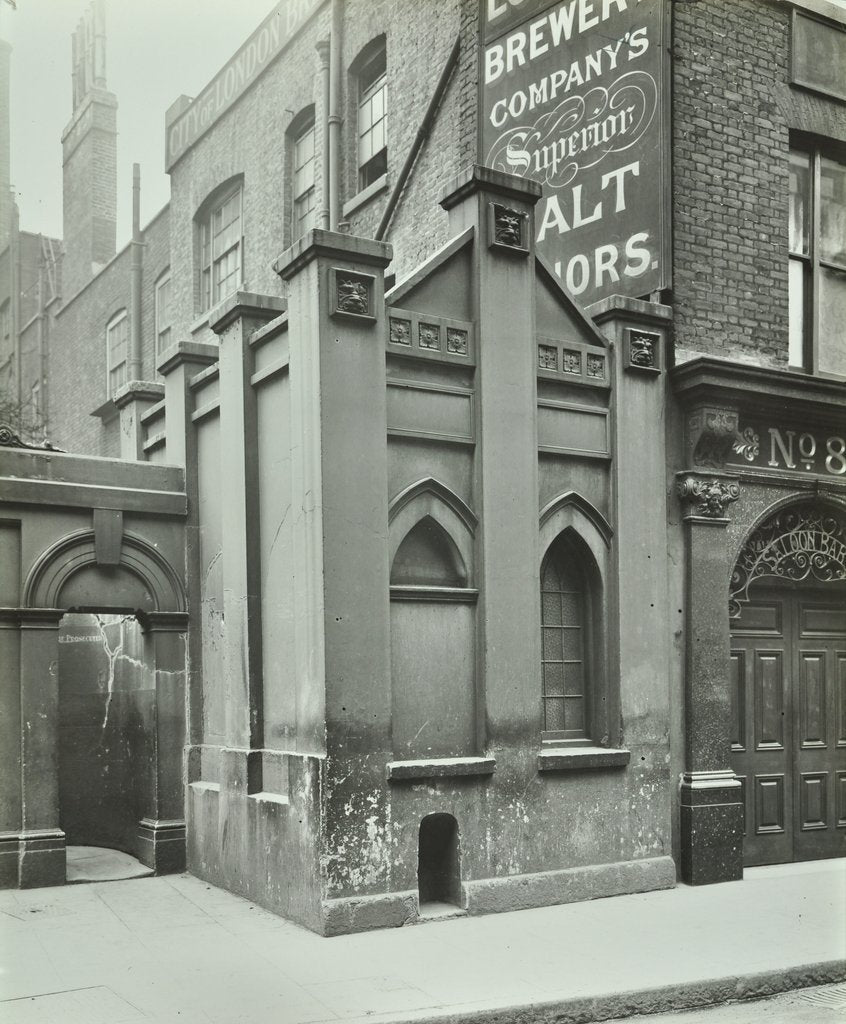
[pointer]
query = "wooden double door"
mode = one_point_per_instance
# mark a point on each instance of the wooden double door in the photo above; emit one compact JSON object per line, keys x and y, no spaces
{"x":788,"y":686}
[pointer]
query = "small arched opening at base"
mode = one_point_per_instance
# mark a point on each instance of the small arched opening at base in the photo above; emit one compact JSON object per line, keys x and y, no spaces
{"x":438,"y":862}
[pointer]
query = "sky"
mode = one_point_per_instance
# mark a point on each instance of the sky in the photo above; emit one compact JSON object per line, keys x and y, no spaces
{"x":156,"y":50}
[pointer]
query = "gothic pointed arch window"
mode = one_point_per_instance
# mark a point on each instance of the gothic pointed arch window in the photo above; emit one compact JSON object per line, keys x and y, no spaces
{"x":567,"y":641}
{"x":428,"y":557}
{"x":433,"y":625}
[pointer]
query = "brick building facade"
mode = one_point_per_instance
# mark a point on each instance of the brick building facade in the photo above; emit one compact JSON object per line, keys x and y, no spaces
{"x":416,"y":466}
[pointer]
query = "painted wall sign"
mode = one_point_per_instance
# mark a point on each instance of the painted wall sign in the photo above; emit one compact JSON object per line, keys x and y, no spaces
{"x":573,"y":96}
{"x":818,"y":55}
{"x":777,"y":447}
{"x":260,"y":50}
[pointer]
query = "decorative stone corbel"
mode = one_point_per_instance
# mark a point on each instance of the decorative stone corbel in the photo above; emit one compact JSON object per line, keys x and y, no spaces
{"x":711,"y":432}
{"x":706,"y":497}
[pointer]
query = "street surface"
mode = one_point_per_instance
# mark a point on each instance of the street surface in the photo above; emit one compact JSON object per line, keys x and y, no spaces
{"x":823,"y":1005}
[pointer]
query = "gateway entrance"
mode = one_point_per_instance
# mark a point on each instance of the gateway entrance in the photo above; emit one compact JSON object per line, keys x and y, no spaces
{"x":788,"y":685}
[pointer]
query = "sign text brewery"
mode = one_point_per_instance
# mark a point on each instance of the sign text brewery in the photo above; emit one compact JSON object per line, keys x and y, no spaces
{"x":263,"y":46}
{"x":572,"y":96}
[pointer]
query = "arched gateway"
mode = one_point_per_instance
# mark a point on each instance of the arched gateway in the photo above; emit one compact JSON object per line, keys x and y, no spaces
{"x":101,"y":538}
{"x":788,"y":684}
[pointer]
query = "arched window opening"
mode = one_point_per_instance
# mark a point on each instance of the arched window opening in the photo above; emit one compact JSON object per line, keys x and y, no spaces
{"x":164,"y":313}
{"x":301,"y":166}
{"x":117,"y":351}
{"x":428,"y":557}
{"x":438,"y":863}
{"x":566,"y":642}
{"x":370,"y":87}
{"x":220,"y":244}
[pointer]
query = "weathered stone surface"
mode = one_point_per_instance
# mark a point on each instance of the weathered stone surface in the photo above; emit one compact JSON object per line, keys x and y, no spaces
{"x":521,"y":892}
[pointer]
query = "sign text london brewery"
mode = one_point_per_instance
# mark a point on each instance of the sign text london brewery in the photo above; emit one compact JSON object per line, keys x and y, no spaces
{"x":263,"y":46}
{"x":573,"y":96}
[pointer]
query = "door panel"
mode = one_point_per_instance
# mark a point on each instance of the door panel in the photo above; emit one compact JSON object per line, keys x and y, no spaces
{"x":820,"y":649}
{"x":763,"y":727}
{"x":788,"y":684}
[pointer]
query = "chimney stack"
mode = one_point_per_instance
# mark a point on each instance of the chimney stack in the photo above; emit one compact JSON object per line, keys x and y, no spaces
{"x":89,"y":151}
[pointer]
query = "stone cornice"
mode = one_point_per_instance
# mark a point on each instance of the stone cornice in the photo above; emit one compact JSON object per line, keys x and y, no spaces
{"x":705,"y":380}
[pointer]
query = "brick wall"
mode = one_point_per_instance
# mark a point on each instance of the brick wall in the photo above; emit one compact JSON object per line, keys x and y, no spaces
{"x":77,"y":358}
{"x":733,"y":109}
{"x":252,"y":139}
{"x":89,"y":188}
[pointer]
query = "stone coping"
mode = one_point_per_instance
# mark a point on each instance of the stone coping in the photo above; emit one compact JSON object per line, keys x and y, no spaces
{"x":440,"y":767}
{"x":557,"y":759}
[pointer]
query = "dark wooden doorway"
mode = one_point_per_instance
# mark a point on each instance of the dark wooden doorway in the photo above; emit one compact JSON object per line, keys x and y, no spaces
{"x":788,"y":685}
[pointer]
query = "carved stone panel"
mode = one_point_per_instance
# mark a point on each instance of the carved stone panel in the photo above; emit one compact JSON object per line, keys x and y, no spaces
{"x":351,"y":294}
{"x":572,"y":361}
{"x":642,"y":350}
{"x":508,"y":229}
{"x":429,"y":336}
{"x":400,"y":331}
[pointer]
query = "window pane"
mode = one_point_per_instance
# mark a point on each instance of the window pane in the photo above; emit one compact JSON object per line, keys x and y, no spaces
{"x":551,"y":609}
{"x":800,"y":177}
{"x":162,"y":305}
{"x":365,"y":148}
{"x":796,"y":344}
{"x":574,"y":677}
{"x":832,"y":336}
{"x":554,"y":713}
{"x":575,"y":714}
{"x":832,"y":211}
{"x":377,"y":109}
{"x":572,"y":643}
{"x":571,"y":603}
{"x":553,"y":680}
{"x":552,"y":644}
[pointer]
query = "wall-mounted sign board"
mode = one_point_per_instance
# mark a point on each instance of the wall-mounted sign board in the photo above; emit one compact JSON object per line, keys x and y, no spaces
{"x":574,"y":94}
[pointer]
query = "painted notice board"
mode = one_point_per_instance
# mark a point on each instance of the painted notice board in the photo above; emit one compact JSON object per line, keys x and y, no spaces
{"x":574,"y":94}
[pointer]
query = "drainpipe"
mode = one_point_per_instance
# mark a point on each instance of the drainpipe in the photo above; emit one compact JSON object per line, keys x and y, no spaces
{"x":334,"y":119}
{"x":15,"y":303}
{"x":420,"y":138}
{"x":323,"y":48}
{"x":42,"y":353}
{"x":135,"y":265}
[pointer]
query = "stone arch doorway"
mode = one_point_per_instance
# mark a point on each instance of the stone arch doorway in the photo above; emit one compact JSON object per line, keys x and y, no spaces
{"x":78,"y":580}
{"x":788,"y":684}
{"x":106,"y":729}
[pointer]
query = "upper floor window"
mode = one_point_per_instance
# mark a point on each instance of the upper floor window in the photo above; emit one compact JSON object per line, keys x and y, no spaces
{"x":817,"y":271}
{"x":117,"y":351}
{"x":303,"y":213}
{"x":221,"y":246}
{"x":372,"y":118}
{"x":163,"y":313}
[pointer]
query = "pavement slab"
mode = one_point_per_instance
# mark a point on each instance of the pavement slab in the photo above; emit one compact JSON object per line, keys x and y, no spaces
{"x":175,"y":948}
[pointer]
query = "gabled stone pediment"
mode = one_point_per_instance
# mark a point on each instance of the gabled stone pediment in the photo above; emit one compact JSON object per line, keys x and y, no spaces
{"x":557,"y":313}
{"x":443,"y":284}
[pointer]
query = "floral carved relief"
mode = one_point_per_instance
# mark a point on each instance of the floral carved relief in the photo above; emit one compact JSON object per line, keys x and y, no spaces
{"x":707,"y":496}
